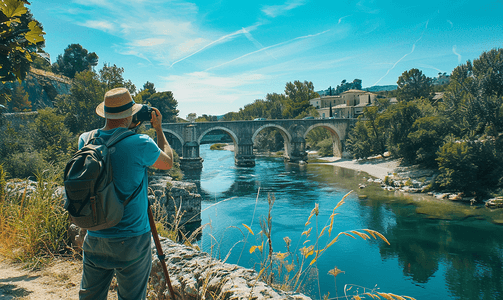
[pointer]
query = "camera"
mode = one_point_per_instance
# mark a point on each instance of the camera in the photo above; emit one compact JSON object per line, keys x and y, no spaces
{"x":144,"y":114}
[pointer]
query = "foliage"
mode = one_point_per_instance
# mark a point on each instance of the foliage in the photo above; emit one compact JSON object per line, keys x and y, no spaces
{"x":79,"y":106}
{"x":217,"y":146}
{"x":33,"y":225}
{"x":358,"y":142}
{"x":299,"y":94}
{"x":25,"y":164}
{"x":175,"y":172}
{"x":164,"y":101}
{"x":206,"y":118}
{"x":269,"y":140}
{"x":346,"y":86}
{"x":325,"y":147}
{"x":455,"y":160}
{"x":42,"y":64}
{"x":19,"y":101}
{"x":413,"y":84}
{"x":111,"y":77}
{"x":399,"y":119}
{"x":462,"y":135}
{"x":74,"y":60}
{"x":369,"y":135}
{"x":21,"y":37}
{"x":315,"y":136}
{"x":54,"y":140}
{"x":294,"y":104}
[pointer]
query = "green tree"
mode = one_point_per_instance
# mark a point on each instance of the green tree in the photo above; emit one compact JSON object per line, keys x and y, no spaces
{"x":166,"y":103}
{"x":456,"y":165}
{"x":112,"y":77}
{"x":399,"y":119}
{"x":413,"y":84}
{"x":369,"y":135}
{"x":346,"y":86}
{"x":21,"y":37}
{"x":79,"y":106}
{"x":299,"y":93}
{"x":358,"y":141}
{"x":74,"y":60}
{"x":488,"y":69}
{"x":317,"y":135}
{"x":427,"y":136}
{"x":53,"y":140}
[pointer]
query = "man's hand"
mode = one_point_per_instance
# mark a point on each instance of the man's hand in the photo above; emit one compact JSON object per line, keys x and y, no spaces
{"x":156,"y":120}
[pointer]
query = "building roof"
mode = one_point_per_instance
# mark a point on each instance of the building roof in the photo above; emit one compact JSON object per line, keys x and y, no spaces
{"x":357,"y":91}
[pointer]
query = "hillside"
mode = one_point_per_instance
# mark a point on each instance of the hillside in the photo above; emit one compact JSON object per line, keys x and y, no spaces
{"x":42,"y":87}
{"x":379,"y":88}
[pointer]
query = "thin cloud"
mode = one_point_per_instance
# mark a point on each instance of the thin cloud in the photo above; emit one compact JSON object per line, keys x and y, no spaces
{"x":342,"y":18}
{"x":216,"y":42}
{"x":276,"y":10}
{"x":455,"y":52}
{"x":266,"y":48}
{"x":100,"y":25}
{"x":412,"y":51}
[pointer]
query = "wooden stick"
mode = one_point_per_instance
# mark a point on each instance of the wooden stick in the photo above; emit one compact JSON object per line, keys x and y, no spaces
{"x":160,"y":254}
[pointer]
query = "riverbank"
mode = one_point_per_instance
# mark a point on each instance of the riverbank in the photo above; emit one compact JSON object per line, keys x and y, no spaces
{"x":379,"y":168}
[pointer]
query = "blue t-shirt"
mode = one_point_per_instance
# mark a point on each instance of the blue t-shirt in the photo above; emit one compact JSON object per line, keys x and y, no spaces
{"x":130,"y":160}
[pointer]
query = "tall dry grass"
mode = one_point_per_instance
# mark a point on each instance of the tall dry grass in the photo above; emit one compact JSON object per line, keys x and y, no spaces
{"x":290,"y":270}
{"x":33,"y":224}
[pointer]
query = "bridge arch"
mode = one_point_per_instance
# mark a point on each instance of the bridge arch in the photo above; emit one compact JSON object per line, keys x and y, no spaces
{"x":336,"y":136}
{"x":224,"y":129}
{"x":175,"y":134}
{"x":287,"y":137}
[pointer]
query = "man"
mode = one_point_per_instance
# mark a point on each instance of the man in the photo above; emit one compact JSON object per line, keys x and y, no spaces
{"x":124,"y":249}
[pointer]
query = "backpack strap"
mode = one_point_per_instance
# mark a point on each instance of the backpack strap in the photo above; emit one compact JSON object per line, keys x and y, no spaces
{"x":119,"y":134}
{"x":90,"y":136}
{"x":135,"y":193}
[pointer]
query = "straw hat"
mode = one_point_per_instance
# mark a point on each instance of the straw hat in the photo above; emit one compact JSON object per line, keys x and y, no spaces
{"x":118,"y":104}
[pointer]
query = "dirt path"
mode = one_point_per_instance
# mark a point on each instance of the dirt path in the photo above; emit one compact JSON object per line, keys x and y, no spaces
{"x":59,"y":280}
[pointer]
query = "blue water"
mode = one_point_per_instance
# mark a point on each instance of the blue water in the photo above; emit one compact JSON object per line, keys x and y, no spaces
{"x":427,"y":258}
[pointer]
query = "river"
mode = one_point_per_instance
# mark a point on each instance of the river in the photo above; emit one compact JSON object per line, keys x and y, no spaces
{"x":437,"y":250}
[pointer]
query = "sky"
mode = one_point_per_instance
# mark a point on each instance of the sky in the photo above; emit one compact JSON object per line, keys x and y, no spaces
{"x":218,"y":56}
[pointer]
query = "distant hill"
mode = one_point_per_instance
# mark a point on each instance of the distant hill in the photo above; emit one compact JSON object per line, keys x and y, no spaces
{"x":379,"y":88}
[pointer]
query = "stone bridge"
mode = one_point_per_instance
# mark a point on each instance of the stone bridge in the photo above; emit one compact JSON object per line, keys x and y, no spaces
{"x":186,"y":137}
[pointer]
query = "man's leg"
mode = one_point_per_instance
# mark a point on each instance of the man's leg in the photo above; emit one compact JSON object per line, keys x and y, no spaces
{"x":132,"y":278}
{"x":96,"y":277}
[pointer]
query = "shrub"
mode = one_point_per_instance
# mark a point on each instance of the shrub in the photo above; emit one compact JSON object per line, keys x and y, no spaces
{"x":218,"y":146}
{"x":25,"y":164}
{"x":33,"y":226}
{"x":325,"y":147}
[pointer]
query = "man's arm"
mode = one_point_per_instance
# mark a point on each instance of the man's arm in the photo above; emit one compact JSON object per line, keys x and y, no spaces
{"x":165,"y":160}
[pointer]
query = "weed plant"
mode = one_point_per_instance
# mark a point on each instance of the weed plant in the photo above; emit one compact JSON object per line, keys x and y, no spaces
{"x":33,"y":225}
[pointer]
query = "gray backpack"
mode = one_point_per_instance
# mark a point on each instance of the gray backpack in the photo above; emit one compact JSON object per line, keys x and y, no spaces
{"x":91,"y":199}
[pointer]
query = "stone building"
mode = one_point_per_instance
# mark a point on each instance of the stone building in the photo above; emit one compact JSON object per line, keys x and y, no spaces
{"x":349,"y":104}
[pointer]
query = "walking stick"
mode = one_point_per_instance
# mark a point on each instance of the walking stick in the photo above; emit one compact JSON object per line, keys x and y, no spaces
{"x":160,"y":254}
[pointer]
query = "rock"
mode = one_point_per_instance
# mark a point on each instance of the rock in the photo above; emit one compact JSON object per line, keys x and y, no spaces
{"x":76,"y":236}
{"x":196,"y":275}
{"x":495,"y":203}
